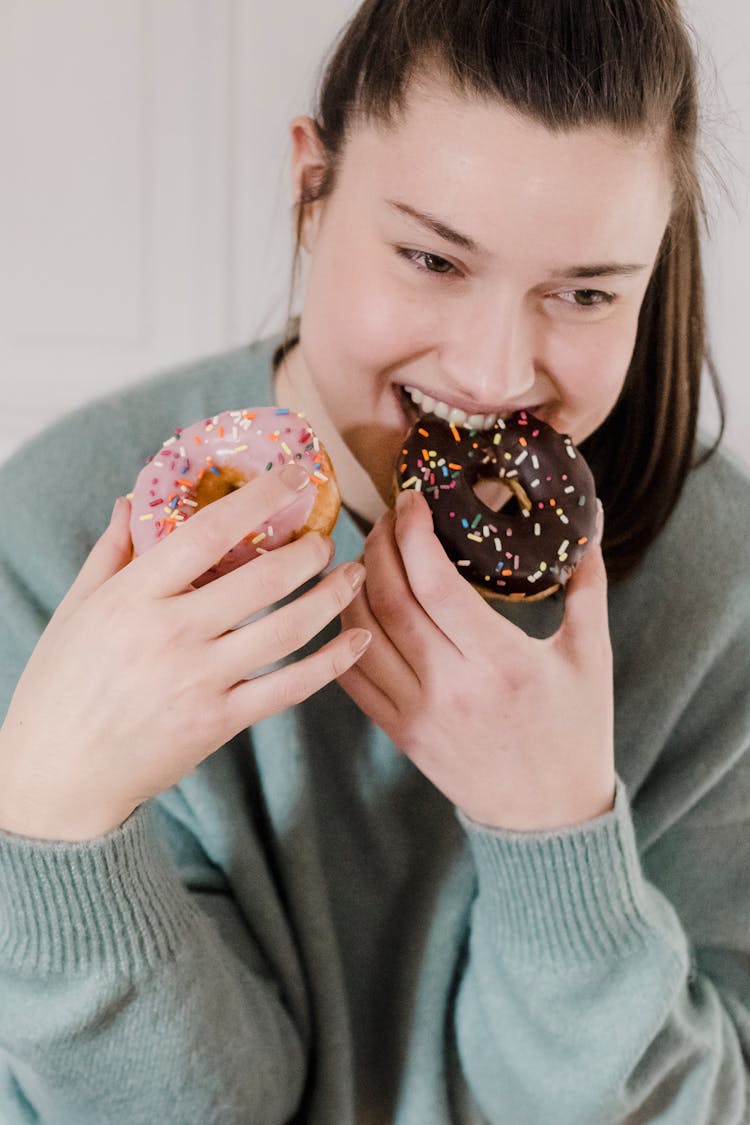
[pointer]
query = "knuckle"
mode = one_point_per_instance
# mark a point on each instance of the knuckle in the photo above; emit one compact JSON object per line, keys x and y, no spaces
{"x":202,"y":725}
{"x":267,"y":574}
{"x":340,"y":655}
{"x":312,"y":554}
{"x":124,"y":619}
{"x":287,"y":631}
{"x":412,"y":735}
{"x":295,"y":687}
{"x":434,"y":589}
{"x":267,"y":492}
{"x":387,"y":604}
{"x":339,"y":658}
{"x":203,"y":536}
{"x":340,"y":593}
{"x":213,"y":727}
{"x":167,"y":624}
{"x":317,"y":549}
{"x":461,"y":705}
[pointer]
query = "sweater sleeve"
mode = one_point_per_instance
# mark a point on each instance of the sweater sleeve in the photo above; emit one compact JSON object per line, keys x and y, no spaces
{"x":608,"y":984}
{"x":583,"y":1001}
{"x":124,"y":998}
{"x":131,"y":989}
{"x":607,"y":980}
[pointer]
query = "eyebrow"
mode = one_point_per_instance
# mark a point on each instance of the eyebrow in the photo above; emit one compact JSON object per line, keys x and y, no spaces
{"x":446,"y":232}
{"x":441,"y":229}
{"x":602,"y":269}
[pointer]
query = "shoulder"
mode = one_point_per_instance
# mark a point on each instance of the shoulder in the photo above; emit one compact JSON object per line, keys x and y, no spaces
{"x":57,"y":490}
{"x":707,"y":535}
{"x":717,"y":492}
{"x":680,"y":623}
{"x":680,"y":627}
{"x":697,"y":565}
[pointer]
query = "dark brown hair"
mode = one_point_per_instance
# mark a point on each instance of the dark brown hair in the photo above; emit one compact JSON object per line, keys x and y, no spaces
{"x":626,"y":64}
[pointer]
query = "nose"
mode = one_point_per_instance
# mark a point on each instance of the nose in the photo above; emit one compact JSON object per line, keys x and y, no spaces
{"x":489,"y":353}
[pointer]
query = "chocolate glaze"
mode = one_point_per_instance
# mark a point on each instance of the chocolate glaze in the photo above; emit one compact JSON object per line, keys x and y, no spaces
{"x":531,"y":546}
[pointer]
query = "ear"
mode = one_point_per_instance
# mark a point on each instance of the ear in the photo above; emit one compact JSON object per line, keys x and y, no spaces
{"x":309,"y":165}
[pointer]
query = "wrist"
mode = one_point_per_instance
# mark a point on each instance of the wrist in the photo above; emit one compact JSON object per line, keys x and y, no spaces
{"x":35,"y":807}
{"x":25,"y":814}
{"x":53,"y":825}
{"x":534,"y":891}
{"x":539,"y":813}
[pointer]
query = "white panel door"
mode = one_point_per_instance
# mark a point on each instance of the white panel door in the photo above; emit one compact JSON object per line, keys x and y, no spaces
{"x":145,"y":208}
{"x":114,"y":261}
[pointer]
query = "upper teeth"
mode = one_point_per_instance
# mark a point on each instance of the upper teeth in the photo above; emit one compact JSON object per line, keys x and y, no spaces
{"x":452,"y":414}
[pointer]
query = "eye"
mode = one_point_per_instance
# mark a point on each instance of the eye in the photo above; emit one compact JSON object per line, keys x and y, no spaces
{"x":429,"y":263}
{"x":587,"y":298}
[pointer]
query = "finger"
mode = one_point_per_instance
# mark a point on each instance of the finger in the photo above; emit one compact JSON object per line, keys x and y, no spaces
{"x":112,"y":551}
{"x":206,"y":537}
{"x":457,"y":609}
{"x":411,"y":631}
{"x":250,"y":701}
{"x":369,"y":698}
{"x":257,"y":584}
{"x":383,"y":663}
{"x":287,"y":629}
{"x":585,"y":626}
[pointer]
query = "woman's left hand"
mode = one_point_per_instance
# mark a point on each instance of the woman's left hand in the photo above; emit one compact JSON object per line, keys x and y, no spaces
{"x":516,"y":732}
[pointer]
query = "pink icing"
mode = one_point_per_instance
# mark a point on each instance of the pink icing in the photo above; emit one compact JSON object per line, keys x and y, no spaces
{"x":251,"y":441}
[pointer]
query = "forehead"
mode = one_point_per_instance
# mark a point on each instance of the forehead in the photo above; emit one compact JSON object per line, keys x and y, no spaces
{"x":478,"y":164}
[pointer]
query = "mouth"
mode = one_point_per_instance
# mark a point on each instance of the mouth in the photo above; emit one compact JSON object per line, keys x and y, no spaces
{"x":415,"y":402}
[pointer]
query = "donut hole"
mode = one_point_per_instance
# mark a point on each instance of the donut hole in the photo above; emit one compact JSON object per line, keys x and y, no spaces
{"x":216,"y":483}
{"x":501,"y":495}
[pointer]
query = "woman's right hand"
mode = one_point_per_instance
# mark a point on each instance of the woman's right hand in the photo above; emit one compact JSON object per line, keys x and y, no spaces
{"x":139,"y":676}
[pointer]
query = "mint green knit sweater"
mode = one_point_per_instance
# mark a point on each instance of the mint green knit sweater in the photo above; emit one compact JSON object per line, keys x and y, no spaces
{"x":304,"y":929}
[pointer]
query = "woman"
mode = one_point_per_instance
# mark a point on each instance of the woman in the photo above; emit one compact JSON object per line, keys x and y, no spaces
{"x":453,"y":864}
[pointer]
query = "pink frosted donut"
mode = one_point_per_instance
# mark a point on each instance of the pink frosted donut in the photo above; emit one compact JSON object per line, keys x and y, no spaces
{"x":209,"y":459}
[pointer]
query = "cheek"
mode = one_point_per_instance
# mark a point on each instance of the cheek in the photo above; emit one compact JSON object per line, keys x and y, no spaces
{"x":607,"y":365}
{"x":590,"y":370}
{"x":357,"y":308}
{"x":604,"y":356}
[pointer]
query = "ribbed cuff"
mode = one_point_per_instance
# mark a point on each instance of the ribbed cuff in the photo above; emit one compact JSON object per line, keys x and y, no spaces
{"x":565,"y":897}
{"x":114,"y":904}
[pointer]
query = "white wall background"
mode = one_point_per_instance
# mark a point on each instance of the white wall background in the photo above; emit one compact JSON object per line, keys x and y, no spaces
{"x":145,"y":213}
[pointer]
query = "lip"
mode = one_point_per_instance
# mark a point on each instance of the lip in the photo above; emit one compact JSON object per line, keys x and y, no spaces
{"x":468,"y":407}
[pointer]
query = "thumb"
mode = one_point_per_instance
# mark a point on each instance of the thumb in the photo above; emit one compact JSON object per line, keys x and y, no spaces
{"x":112,"y":551}
{"x":586,"y":598}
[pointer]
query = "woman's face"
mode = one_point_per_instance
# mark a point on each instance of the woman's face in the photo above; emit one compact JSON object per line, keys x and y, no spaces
{"x":474,"y":259}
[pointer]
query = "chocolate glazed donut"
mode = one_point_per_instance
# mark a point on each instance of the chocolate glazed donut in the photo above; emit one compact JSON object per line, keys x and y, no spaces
{"x":528,"y":549}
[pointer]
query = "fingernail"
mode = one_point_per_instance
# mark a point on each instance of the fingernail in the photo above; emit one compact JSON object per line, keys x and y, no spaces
{"x":599,"y":529}
{"x":565,"y":573}
{"x":360,"y":640}
{"x":294,"y":477}
{"x":356,"y":575}
{"x":403,"y":499}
